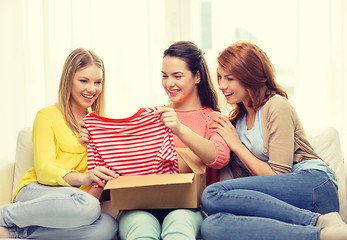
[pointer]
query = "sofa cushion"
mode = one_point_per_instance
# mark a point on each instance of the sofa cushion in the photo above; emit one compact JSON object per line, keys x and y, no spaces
{"x":24,"y":156}
{"x":326,"y":144}
{"x":6,"y":180}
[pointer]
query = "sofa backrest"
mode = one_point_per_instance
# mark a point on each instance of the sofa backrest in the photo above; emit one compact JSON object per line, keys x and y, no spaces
{"x":325,"y":141}
{"x":24,"y":156}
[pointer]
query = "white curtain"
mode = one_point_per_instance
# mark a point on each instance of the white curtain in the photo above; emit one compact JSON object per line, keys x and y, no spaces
{"x":320,"y":85}
{"x":37,"y":36}
{"x":306,"y":41}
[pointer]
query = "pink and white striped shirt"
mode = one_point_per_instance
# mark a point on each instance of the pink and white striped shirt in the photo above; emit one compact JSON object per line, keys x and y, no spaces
{"x":137,"y":145}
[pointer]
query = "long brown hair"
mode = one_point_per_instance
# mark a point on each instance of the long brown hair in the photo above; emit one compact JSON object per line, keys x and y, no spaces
{"x":249,"y":64}
{"x":78,"y":59}
{"x":194,"y":58}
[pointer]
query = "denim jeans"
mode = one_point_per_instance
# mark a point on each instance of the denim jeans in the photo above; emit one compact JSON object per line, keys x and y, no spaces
{"x":49,"y":212}
{"x":284,"y":206}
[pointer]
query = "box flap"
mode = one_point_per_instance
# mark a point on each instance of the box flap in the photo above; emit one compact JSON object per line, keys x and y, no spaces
{"x":193,"y":161}
{"x":136,"y":181}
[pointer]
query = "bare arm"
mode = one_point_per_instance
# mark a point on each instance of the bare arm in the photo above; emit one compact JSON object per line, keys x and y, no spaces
{"x":254,"y":165}
{"x":96,"y":175}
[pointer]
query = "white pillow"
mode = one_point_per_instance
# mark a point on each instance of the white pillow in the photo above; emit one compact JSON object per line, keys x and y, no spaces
{"x":6,"y":179}
{"x":326,"y":143}
{"x":24,"y":155}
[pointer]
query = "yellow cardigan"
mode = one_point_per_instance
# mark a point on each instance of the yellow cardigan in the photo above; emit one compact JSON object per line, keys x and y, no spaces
{"x":56,"y":151}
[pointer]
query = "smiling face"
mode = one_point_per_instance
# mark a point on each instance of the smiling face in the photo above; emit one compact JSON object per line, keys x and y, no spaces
{"x":180,"y":84}
{"x":86,"y":87}
{"x":232,"y":88}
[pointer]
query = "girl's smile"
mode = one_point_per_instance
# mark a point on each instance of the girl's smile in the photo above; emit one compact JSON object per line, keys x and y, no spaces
{"x":86,"y":87}
{"x":179,"y":83}
{"x":232,"y":88}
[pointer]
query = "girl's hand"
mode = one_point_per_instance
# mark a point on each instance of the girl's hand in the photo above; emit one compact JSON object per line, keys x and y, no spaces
{"x":83,"y":137}
{"x":224,"y":128}
{"x":204,"y":148}
{"x":101,"y":175}
{"x":169,"y":117}
{"x":98,"y":175}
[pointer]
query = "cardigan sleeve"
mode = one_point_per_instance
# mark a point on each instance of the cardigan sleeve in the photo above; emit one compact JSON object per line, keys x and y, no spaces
{"x":44,"y":147}
{"x":222,"y":149}
{"x":278,"y":127}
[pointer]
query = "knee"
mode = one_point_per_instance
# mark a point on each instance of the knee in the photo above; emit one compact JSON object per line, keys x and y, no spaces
{"x":182,"y":224}
{"x":105,"y":229}
{"x":208,"y":226}
{"x":210,"y":195}
{"x":326,"y":198}
{"x":86,"y":207}
{"x":135,"y":224}
{"x":206,"y":195}
{"x":212,"y":191}
{"x":137,"y":217}
{"x":182,"y":215}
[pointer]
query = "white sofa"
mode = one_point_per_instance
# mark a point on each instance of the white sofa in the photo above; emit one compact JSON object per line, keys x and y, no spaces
{"x":325,"y":142}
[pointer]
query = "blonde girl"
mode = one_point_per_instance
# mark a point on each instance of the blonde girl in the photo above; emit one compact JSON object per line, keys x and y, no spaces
{"x":52,"y":199}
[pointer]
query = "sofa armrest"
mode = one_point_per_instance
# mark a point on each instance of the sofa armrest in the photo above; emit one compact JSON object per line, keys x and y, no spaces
{"x":6,"y":180}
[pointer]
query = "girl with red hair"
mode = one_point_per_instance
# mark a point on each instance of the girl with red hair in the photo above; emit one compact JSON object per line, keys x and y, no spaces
{"x":290,"y":193}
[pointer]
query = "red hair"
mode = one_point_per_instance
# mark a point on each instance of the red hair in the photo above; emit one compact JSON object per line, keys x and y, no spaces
{"x":250,"y":65}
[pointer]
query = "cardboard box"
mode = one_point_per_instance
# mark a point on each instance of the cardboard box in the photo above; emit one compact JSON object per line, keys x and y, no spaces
{"x":181,"y":190}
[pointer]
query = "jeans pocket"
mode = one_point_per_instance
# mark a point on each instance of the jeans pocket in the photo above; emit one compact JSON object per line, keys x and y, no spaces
{"x":325,"y":198}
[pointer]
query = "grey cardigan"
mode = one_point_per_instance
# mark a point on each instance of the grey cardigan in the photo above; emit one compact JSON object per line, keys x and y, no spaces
{"x":284,"y":138}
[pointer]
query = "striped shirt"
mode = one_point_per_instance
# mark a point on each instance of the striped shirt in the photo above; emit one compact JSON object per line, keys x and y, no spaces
{"x":138,"y":145}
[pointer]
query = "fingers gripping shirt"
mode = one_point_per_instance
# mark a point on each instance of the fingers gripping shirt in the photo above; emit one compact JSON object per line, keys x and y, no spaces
{"x":138,"y":145}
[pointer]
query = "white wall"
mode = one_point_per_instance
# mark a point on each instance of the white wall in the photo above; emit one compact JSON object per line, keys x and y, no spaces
{"x":320,"y":85}
{"x":306,"y":41}
{"x":38,"y":35}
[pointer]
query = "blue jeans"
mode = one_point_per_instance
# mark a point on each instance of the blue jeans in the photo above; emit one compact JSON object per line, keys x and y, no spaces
{"x":47,"y":212}
{"x":284,"y":206}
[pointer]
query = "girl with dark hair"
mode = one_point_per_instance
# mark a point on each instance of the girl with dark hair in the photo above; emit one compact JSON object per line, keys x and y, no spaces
{"x":190,"y":113}
{"x":196,"y":63}
{"x":192,"y":108}
{"x":291,"y":193}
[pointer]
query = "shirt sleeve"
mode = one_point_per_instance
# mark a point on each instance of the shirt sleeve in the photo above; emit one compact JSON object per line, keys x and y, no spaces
{"x":45,"y":153}
{"x":280,"y":125}
{"x":222,"y":149}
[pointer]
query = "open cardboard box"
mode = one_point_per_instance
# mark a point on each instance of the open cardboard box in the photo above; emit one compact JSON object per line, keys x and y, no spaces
{"x":181,"y":190}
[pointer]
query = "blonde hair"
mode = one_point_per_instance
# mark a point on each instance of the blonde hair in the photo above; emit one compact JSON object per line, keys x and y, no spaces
{"x":77,"y":60}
